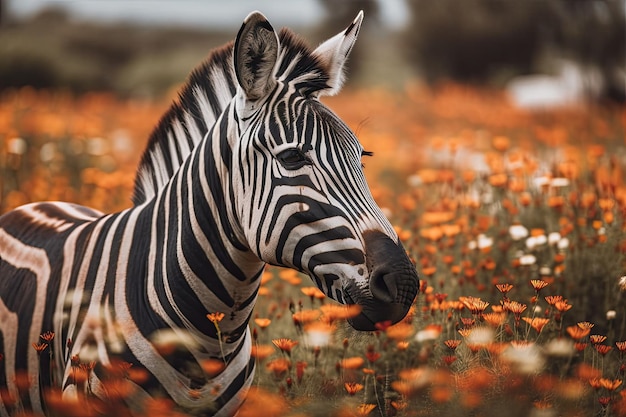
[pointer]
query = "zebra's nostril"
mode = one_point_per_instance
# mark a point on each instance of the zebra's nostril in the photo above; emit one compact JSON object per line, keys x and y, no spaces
{"x":383,"y":287}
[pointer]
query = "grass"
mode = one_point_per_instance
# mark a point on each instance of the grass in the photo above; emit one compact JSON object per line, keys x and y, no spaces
{"x":515,"y":221}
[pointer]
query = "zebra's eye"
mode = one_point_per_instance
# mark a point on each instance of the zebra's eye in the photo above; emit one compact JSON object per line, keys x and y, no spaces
{"x":293,"y":159}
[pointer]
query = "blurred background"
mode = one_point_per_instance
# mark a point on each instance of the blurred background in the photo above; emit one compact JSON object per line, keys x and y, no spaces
{"x":144,"y":47}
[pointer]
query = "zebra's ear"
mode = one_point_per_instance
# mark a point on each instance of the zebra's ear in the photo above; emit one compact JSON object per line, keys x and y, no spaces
{"x":334,"y":54}
{"x":255,"y":55}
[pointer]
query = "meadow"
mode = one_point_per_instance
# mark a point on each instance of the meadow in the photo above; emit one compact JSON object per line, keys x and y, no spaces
{"x":515,"y":221}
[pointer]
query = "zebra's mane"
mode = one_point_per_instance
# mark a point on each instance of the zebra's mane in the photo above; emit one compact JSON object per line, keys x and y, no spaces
{"x":207,"y":92}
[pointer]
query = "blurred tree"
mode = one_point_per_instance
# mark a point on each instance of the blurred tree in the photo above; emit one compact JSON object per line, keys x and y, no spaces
{"x":475,"y":39}
{"x":486,"y":40}
{"x":339,"y":14}
{"x":594,"y":34}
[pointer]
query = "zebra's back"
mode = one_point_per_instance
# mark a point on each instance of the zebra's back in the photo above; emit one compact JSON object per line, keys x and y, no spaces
{"x":32,"y":251}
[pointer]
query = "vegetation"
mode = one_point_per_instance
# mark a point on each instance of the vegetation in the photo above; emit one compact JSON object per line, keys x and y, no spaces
{"x":515,"y":221}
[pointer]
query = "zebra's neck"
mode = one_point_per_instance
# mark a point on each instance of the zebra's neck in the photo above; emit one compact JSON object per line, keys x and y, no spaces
{"x":196,"y":263}
{"x":202,"y":264}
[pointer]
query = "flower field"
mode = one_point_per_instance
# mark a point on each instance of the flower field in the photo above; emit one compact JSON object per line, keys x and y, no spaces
{"x":515,"y":221}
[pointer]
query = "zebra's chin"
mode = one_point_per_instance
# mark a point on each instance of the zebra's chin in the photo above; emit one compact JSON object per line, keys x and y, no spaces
{"x":369,"y":317}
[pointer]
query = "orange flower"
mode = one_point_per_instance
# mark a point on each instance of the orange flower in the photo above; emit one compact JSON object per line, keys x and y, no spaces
{"x":305,"y":316}
{"x":610,"y":384}
{"x":284,"y":344}
{"x":365,"y":409}
{"x":514,"y":307}
{"x":498,"y":180}
{"x":452,"y":343}
{"x":449,"y":359}
{"x":577,"y":332}
{"x":494,"y":319}
{"x":279,"y":366}
{"x":553,"y":299}
{"x":215,"y":317}
{"x":597,"y":339}
{"x":536,"y":323}
{"x":262,"y":322}
{"x":399,"y":331}
{"x":474,"y":305}
{"x":501,"y":143}
{"x":538,"y":284}
{"x":47,"y":336}
{"x":340,"y":312}
{"x":504,"y":288}
{"x":437,"y":217}
{"x":262,"y":351}
{"x":353,"y":387}
{"x":429,"y":271}
{"x":212,"y":367}
{"x":603,"y":349}
{"x":432,"y":233}
{"x":262,"y":402}
{"x":40,"y":347}
{"x":355,"y":362}
{"x":402,"y":345}
{"x":313,"y":292}
{"x":562,"y":306}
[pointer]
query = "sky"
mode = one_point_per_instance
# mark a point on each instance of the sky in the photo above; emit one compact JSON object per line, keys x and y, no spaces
{"x":200,"y":13}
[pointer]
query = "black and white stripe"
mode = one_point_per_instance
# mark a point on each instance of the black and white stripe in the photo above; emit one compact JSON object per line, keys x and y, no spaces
{"x":248,"y":168}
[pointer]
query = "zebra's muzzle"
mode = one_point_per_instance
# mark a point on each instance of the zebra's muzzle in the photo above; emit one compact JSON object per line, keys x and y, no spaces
{"x":393,"y":283}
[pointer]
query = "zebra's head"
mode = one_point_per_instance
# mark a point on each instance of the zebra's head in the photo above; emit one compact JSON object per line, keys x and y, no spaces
{"x":299,"y":191}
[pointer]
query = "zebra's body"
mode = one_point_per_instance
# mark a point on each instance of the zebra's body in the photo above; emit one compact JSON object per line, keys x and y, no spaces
{"x":276,"y":179}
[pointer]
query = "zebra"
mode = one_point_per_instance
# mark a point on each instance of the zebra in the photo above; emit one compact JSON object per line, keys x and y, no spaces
{"x":247,"y":168}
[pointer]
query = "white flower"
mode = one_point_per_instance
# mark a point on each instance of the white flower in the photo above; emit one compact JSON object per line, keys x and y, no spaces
{"x":427,"y":335}
{"x":545,"y":270}
{"x":532,"y":242}
{"x":611,"y":314}
{"x":559,"y":182}
{"x":560,"y":347}
{"x":527,"y":259}
{"x":622,"y":283}
{"x":47,"y":152}
{"x":484,"y":241}
{"x":563,"y":243}
{"x":317,"y":337}
{"x":525,"y":358}
{"x":517,"y":232}
{"x":541,"y":181}
{"x":554,"y":238}
{"x":170,"y":338}
{"x":17,"y":146}
{"x":89,"y":352}
{"x":541,"y":240}
{"x":97,"y":146}
{"x":480,"y":336}
{"x":481,"y":242}
{"x":414,"y":180}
